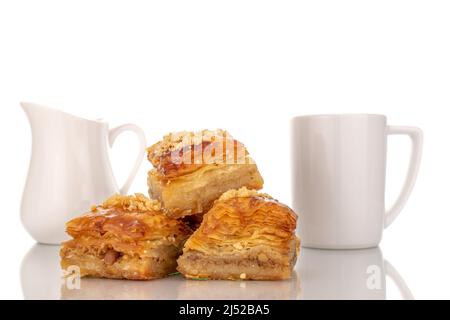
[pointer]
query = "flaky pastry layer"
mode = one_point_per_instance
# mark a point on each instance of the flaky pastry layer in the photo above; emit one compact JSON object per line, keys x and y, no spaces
{"x":124,"y":218}
{"x":96,"y":259}
{"x":195,"y":192}
{"x":256,"y":263}
{"x":126,"y":237}
{"x":185,"y":152}
{"x":246,"y":233}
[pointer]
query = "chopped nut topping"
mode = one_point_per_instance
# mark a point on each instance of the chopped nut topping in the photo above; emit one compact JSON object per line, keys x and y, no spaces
{"x":137,"y":202}
{"x":178,"y":140}
{"x":242,"y":193}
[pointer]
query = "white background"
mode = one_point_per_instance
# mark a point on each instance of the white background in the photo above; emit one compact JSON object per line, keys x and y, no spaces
{"x":245,"y":66}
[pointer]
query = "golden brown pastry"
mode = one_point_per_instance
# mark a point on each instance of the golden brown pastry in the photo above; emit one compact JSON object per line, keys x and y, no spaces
{"x":246,"y":235}
{"x":191,"y":170}
{"x":127,"y":237}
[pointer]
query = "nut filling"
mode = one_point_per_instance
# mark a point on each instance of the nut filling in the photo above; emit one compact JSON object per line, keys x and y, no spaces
{"x":111,"y":257}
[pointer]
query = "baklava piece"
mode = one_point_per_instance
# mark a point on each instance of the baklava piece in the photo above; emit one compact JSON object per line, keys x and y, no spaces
{"x":193,"y":169}
{"x":127,"y":237}
{"x":245,"y":236}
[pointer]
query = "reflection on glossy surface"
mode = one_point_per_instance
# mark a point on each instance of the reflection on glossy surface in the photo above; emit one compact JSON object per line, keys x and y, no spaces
{"x":109,"y":289}
{"x":320,"y":274}
{"x":240,"y":290}
{"x":176,"y":287}
{"x":40,"y":273}
{"x":347,"y":275}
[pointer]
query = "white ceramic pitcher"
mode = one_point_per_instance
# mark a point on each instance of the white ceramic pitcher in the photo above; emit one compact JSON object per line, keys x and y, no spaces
{"x":69,"y":169}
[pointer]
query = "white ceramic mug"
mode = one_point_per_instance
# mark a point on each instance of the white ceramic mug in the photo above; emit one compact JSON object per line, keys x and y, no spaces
{"x":339,"y":171}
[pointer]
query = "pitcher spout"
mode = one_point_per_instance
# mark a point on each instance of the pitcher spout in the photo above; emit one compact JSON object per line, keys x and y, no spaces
{"x":42,"y":115}
{"x":39,"y":114}
{"x":30,"y":110}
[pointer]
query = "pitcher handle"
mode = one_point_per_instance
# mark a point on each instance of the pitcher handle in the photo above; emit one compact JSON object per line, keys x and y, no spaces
{"x":113,"y":134}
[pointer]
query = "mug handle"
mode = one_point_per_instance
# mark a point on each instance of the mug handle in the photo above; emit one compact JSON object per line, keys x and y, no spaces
{"x":113,"y":134}
{"x":416,"y":136}
{"x":392,"y":273}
